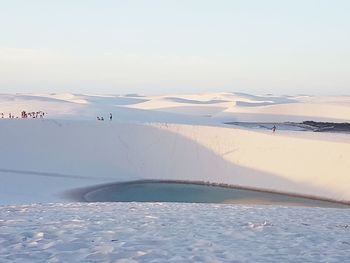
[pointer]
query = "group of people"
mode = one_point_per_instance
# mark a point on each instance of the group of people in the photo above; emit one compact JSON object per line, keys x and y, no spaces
{"x":25,"y":115}
{"x":102,"y":119}
{"x":34,"y":114}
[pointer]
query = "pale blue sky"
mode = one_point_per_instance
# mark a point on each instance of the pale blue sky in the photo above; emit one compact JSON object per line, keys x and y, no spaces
{"x":180,"y":46}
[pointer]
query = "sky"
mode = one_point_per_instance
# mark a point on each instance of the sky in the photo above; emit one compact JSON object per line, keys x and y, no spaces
{"x":175,"y":46}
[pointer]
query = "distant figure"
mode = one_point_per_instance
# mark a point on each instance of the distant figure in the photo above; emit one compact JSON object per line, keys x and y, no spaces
{"x":2,"y":115}
{"x":102,"y":119}
{"x":98,"y":118}
{"x":110,"y":116}
{"x":274,"y":128}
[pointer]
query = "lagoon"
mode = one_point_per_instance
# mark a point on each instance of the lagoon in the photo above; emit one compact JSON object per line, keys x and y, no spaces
{"x":183,"y":192}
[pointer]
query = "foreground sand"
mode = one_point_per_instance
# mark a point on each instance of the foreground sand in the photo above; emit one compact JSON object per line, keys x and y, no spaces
{"x":156,"y":232}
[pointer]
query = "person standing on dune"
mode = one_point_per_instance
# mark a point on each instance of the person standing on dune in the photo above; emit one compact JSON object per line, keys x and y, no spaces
{"x":274,"y":128}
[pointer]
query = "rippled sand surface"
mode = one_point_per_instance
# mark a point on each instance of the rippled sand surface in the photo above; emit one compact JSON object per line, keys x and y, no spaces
{"x":172,"y":232}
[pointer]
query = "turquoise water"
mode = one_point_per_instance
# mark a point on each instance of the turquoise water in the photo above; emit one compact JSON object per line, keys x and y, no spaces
{"x":195,"y":193}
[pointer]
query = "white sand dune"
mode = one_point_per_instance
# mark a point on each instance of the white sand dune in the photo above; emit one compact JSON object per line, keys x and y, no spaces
{"x":149,"y":139}
{"x":300,"y":111}
{"x":170,"y":138}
